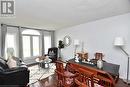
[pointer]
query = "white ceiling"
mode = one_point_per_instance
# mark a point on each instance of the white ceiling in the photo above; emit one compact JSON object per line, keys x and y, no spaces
{"x":57,"y":14}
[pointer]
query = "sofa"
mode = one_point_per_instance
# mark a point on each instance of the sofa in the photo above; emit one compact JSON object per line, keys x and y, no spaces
{"x":13,"y":77}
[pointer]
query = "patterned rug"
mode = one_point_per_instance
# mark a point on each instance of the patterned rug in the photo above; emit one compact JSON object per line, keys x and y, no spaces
{"x":38,"y":73}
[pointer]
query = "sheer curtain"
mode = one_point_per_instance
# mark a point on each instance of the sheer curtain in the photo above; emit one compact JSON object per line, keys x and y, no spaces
{"x":47,"y":41}
{"x":52,"y":38}
{"x":12,"y":40}
{"x":3,"y":36}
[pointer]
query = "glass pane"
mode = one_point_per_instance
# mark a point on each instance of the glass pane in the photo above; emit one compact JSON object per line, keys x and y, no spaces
{"x":35,"y":46}
{"x":10,"y":41}
{"x":26,"y":46}
{"x":47,"y":43}
{"x":10,"y":46}
{"x":31,"y":32}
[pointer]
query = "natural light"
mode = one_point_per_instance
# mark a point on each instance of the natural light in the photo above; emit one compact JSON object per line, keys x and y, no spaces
{"x":31,"y":43}
{"x":10,"y":43}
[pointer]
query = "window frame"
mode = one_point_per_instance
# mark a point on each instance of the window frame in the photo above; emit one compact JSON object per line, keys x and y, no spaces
{"x":31,"y":45}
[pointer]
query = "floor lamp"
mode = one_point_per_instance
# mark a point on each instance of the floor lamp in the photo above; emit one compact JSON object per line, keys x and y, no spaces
{"x":119,"y":42}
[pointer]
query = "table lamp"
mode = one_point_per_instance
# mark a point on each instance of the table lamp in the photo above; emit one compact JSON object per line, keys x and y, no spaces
{"x":119,"y":42}
{"x":76,"y":44}
{"x":10,"y":52}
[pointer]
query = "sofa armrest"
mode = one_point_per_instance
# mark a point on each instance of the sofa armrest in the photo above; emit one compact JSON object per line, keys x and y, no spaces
{"x":15,"y":70}
{"x":15,"y":76}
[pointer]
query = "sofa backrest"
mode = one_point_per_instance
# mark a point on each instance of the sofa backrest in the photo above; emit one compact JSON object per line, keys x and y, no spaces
{"x":3,"y":64}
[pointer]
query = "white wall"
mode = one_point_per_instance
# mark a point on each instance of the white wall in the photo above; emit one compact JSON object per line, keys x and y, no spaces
{"x":98,"y":36}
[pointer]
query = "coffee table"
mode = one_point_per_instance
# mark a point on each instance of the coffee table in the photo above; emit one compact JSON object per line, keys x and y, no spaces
{"x":39,"y":61}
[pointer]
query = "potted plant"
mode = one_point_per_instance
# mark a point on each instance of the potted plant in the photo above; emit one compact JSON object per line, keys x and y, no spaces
{"x":60,"y":46}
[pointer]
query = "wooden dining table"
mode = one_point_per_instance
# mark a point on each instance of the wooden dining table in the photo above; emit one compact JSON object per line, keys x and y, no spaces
{"x":112,"y":69}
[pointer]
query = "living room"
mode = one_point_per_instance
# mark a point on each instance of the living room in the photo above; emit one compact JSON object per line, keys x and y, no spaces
{"x":94,"y":25}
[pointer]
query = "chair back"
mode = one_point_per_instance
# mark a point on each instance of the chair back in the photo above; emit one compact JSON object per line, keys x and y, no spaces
{"x":53,"y":53}
{"x":104,"y":79}
{"x":98,"y":55}
{"x":85,"y":78}
{"x":83,"y":56}
{"x":65,"y":77}
{"x":59,"y":66}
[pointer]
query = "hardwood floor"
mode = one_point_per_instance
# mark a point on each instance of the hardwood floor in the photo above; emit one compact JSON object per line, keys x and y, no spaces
{"x":52,"y":82}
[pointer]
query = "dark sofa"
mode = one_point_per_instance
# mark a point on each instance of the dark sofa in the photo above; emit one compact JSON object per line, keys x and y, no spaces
{"x":13,"y":77}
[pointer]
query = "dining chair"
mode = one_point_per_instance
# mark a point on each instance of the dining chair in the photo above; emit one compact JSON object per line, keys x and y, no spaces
{"x":83,"y":56}
{"x":85,"y":78}
{"x":79,"y":83}
{"x":103,"y":80}
{"x":64,"y":77}
{"x":99,"y":55}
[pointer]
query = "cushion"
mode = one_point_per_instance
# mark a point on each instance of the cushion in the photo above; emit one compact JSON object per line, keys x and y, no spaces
{"x":3,"y":64}
{"x":11,"y":62}
{"x":18,"y":60}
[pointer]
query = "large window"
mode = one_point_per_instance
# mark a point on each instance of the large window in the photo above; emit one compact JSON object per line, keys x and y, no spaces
{"x":25,"y":43}
{"x":31,"y":43}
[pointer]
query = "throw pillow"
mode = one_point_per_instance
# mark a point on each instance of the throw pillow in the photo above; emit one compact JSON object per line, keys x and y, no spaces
{"x":18,"y":60}
{"x":11,"y":62}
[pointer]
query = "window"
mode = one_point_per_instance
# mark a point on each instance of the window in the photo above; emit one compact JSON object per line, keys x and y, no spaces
{"x":31,"y":43}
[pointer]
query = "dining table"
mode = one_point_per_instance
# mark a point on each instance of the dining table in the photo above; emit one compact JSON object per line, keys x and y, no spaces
{"x":112,"y":69}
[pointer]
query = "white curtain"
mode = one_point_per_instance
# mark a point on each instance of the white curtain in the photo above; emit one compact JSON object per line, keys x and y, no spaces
{"x":52,"y":38}
{"x":12,"y":40}
{"x":3,"y":36}
{"x":42,"y":42}
{"x":46,"y":37}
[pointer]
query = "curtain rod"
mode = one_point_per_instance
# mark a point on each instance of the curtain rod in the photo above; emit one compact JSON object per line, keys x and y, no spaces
{"x":27,"y":27}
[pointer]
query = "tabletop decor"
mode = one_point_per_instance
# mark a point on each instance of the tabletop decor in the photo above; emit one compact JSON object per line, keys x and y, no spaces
{"x":76,"y":44}
{"x":100,"y":63}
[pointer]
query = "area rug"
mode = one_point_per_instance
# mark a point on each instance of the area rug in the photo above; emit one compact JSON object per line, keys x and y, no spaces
{"x":38,"y":73}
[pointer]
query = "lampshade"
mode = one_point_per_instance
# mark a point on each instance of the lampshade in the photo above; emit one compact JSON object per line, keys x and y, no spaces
{"x":10,"y":52}
{"x":76,"y":42}
{"x":119,"y":41}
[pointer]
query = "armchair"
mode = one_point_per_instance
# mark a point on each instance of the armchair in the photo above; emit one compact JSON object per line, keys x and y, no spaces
{"x":53,"y":53}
